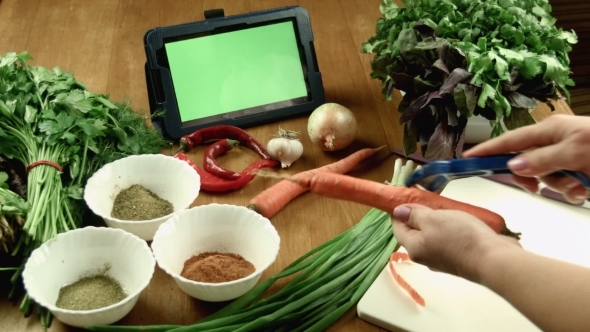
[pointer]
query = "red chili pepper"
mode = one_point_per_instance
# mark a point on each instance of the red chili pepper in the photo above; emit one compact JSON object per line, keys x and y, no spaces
{"x":216,"y":149}
{"x":200,"y":136}
{"x":248,"y":174}
{"x":210,"y":182}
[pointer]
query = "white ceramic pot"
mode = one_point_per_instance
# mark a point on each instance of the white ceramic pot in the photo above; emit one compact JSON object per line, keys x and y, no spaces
{"x":477,"y":130}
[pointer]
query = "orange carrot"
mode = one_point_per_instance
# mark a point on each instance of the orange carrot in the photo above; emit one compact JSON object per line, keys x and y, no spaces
{"x":397,"y":256}
{"x":386,"y":197}
{"x":273,"y":199}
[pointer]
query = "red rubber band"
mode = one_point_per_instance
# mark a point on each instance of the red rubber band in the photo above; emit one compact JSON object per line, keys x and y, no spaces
{"x":43,"y":162}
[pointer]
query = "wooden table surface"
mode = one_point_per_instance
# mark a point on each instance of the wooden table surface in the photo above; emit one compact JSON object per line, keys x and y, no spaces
{"x":101,"y":42}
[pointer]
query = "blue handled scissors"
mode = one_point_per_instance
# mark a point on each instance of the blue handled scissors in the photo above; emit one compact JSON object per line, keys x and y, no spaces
{"x":435,"y":175}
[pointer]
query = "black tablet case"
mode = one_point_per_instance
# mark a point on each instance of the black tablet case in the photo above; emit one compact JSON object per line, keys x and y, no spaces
{"x":216,"y":18}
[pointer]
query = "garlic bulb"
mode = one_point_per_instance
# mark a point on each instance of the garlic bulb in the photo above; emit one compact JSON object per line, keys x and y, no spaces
{"x":285,"y":148}
{"x":332,"y":127}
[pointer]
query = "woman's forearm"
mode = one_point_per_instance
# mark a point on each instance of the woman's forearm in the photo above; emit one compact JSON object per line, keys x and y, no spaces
{"x":554,"y":295}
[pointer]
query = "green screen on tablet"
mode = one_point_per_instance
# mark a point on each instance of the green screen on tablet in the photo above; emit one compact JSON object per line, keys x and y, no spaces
{"x":241,"y":72}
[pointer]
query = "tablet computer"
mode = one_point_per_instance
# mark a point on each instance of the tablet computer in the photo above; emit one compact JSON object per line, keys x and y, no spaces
{"x":241,"y":70}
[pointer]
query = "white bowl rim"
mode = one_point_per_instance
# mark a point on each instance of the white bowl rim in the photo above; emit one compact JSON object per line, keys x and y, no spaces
{"x":140,"y":222}
{"x":217,"y":284}
{"x":53,"y":307}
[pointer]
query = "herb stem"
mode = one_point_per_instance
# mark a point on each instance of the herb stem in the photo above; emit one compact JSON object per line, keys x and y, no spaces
{"x":43,"y":103}
{"x":83,"y":165}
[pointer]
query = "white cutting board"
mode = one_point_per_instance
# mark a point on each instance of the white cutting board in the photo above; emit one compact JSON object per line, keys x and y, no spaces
{"x":548,"y":227}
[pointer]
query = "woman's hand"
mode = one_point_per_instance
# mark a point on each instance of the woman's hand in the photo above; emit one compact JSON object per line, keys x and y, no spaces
{"x":556,"y":143}
{"x":454,"y":242}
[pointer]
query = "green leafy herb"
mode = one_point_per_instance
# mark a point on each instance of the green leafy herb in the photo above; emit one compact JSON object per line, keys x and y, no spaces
{"x":12,"y":209}
{"x":47,"y":116}
{"x":513,"y":51}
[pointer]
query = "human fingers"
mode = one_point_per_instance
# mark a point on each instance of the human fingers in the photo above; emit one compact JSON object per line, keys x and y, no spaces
{"x":413,"y":215}
{"x":407,"y":222}
{"x":449,"y":241}
{"x":529,"y":184}
{"x":407,"y":236}
{"x":516,"y":140}
{"x":577,"y":195}
{"x":571,"y":189}
{"x":546,"y":160}
{"x":560,"y":183}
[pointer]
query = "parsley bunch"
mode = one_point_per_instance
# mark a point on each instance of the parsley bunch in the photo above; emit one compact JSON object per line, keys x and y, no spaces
{"x":47,"y":115}
{"x":513,"y":50}
{"x":12,"y":209}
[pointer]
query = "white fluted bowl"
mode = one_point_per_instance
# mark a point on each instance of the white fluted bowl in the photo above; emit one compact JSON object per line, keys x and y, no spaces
{"x":170,"y":178}
{"x":78,"y":253}
{"x":216,"y":227}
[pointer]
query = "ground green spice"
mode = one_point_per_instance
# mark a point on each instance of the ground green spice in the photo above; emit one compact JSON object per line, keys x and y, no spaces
{"x":139,"y":203}
{"x":90,"y":293}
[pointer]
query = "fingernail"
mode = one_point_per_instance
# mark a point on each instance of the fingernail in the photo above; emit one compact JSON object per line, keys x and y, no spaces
{"x":517,"y":164}
{"x":579,"y":199}
{"x":572,"y":184}
{"x":402,"y":213}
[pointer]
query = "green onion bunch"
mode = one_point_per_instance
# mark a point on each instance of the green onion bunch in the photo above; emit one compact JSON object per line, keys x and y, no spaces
{"x":330,"y":279}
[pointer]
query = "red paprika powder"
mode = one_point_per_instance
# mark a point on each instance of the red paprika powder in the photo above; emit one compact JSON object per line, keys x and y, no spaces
{"x":216,"y":267}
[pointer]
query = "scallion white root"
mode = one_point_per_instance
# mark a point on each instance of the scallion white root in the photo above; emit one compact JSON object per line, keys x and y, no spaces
{"x":397,"y":169}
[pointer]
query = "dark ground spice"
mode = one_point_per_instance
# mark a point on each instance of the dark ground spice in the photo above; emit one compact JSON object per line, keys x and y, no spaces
{"x":90,"y":293}
{"x":139,"y":203}
{"x":215,"y":267}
